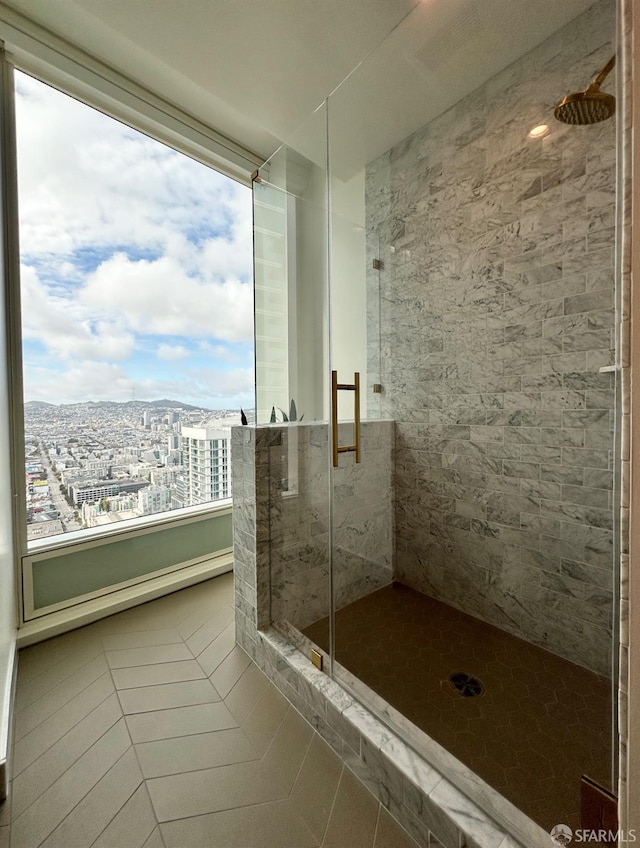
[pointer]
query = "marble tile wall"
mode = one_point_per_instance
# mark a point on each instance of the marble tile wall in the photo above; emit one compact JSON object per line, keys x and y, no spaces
{"x":497,"y":315}
{"x":289,"y":526}
{"x":363,"y":513}
{"x":299,"y":523}
{"x":250,"y":481}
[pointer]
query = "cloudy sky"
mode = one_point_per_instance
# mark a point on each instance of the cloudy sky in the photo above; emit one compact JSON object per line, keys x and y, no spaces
{"x":135,"y":263}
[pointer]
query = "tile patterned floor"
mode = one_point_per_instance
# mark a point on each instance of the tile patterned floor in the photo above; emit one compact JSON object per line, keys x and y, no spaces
{"x":152,"y":729}
{"x":541,"y":723}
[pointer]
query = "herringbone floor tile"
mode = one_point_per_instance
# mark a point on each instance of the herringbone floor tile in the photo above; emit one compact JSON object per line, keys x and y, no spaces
{"x":152,"y":729}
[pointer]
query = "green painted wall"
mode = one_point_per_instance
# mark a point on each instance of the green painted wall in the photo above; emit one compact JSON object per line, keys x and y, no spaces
{"x":112,"y":561}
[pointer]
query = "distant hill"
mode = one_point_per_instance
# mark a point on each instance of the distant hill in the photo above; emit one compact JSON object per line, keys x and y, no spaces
{"x":38,"y":404}
{"x":164,"y":403}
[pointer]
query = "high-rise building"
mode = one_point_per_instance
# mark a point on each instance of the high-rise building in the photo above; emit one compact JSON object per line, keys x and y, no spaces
{"x":205,"y":460}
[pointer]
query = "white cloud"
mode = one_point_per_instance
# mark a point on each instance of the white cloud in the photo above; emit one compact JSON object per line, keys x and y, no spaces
{"x":92,"y":182}
{"x":159,"y":297}
{"x":66,"y":328}
{"x":211,"y":388}
{"x":234,"y":382}
{"x":123,"y":237}
{"x":220,"y":352}
{"x":84,"y":380}
{"x":172,"y":352}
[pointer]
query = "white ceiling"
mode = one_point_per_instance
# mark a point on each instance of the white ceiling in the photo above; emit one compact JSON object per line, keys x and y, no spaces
{"x":256,"y":69}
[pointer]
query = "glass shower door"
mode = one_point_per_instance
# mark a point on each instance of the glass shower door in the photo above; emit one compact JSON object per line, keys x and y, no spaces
{"x":330,"y":510}
{"x":291,"y":308}
{"x":486,"y":633}
{"x":362,"y":443}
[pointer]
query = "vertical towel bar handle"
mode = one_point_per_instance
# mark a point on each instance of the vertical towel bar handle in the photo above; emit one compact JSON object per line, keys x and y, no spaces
{"x":345,"y":387}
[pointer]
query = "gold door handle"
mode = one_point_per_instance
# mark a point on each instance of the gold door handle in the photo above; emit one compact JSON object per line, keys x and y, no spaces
{"x":346,"y":387}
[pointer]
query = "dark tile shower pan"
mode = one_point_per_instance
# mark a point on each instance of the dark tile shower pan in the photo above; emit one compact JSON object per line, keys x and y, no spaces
{"x":527,"y":722}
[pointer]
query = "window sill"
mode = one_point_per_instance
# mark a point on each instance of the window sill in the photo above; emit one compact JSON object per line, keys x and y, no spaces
{"x":134,"y":525}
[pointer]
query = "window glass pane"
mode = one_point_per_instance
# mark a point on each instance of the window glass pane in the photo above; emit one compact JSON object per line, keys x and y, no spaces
{"x":137,"y":317}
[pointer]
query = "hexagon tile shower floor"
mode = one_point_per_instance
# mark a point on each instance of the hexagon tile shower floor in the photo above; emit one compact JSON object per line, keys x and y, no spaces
{"x":540,"y":723}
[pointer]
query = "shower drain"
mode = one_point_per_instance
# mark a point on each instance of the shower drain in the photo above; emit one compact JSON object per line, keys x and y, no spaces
{"x":465,"y":684}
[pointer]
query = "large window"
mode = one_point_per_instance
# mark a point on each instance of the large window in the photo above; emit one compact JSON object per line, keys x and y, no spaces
{"x":136,"y":317}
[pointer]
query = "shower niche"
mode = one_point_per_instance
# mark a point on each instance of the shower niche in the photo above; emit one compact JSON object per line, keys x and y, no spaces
{"x":434,"y":229}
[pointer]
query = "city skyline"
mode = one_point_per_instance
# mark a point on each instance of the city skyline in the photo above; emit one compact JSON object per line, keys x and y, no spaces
{"x":91,"y":466}
{"x":136,"y":263}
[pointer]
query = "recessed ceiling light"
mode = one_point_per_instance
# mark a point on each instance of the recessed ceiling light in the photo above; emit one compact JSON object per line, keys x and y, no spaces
{"x":539,"y":131}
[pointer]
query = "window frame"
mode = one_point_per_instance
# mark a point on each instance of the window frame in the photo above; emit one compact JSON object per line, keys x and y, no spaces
{"x":27,"y":47}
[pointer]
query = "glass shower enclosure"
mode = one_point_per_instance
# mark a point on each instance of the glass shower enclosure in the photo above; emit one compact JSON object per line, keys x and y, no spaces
{"x":435,"y":370}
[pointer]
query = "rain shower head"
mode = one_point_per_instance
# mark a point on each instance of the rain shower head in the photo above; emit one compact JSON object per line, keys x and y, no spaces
{"x":589,"y":106}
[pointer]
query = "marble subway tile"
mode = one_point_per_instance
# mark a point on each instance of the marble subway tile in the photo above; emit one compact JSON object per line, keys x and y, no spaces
{"x":520,"y":316}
